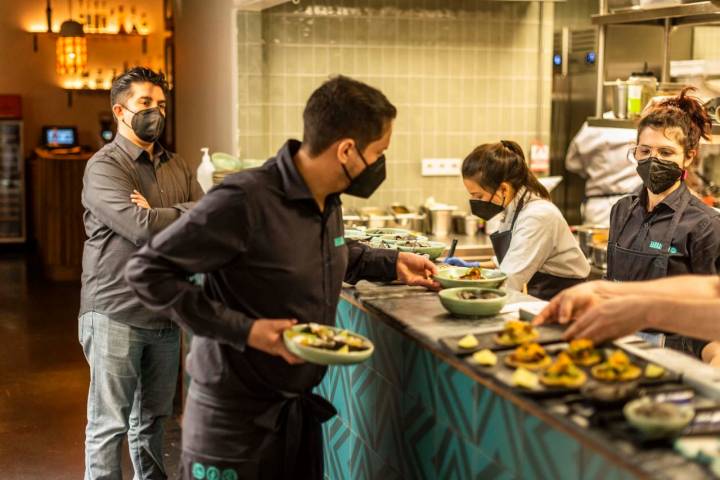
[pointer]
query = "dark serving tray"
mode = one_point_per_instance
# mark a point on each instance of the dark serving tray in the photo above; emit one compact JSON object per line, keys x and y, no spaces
{"x":548,"y":334}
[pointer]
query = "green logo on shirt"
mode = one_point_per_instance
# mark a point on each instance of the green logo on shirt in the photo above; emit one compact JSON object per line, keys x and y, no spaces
{"x":229,"y":474}
{"x":198,"y":471}
{"x":655,"y":245}
{"x":339,"y":241}
{"x":658,"y":246}
{"x":213,"y":473}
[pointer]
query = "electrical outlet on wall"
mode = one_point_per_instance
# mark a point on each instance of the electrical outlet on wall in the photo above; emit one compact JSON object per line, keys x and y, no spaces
{"x":441,"y":167}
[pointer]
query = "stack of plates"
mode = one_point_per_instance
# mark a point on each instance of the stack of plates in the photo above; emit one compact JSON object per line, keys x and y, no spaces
{"x":219,"y":175}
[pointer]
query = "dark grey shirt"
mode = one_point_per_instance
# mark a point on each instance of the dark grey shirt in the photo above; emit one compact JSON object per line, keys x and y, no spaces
{"x":116,"y":228}
{"x":267,"y":251}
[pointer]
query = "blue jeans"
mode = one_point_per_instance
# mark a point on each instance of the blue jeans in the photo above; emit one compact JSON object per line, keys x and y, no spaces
{"x":133,"y":373}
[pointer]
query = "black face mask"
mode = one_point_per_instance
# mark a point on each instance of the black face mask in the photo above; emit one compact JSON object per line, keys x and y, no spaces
{"x":658,"y":175}
{"x":485,"y":209}
{"x":147,"y":124}
{"x":369,"y":179}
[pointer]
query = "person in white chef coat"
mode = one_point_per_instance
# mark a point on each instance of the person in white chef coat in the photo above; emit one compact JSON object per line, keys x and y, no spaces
{"x":534,"y":245}
{"x":599,"y":155}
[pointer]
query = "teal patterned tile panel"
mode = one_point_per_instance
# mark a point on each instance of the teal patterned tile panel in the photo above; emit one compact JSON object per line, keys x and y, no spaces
{"x":419,"y":374}
{"x":388,"y":357}
{"x":549,"y":453}
{"x":458,"y":459}
{"x":336,"y":387}
{"x":455,"y":400}
{"x":596,"y":467}
{"x":418,"y":431}
{"x":387,"y":438}
{"x":498,"y":429}
{"x":338,"y":441}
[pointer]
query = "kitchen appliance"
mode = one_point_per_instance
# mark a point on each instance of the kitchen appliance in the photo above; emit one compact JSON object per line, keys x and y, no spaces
{"x":403,"y":217}
{"x":12,"y":182}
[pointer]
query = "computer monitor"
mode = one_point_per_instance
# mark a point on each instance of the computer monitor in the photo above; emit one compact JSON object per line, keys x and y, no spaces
{"x":59,"y":136}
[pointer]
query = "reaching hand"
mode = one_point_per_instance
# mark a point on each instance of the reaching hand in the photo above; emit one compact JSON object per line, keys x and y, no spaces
{"x":612,"y":319}
{"x":569,"y":304}
{"x":416,"y":270}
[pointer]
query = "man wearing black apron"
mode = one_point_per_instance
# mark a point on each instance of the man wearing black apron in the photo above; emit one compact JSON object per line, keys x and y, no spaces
{"x":271,"y":244}
{"x":541,"y":285}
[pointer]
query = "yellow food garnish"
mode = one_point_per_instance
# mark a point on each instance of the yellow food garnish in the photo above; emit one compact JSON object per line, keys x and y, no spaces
{"x":618,"y":360}
{"x":525,"y":379}
{"x":468,"y":342}
{"x":654,"y":371}
{"x":485,"y":357}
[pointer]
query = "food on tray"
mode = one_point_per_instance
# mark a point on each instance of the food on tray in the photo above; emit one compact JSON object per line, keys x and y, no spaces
{"x":658,"y":419}
{"x":475,"y":273}
{"x":583,"y":352}
{"x":530,"y":356}
{"x":563,"y":373}
{"x":485,"y":357}
{"x":525,"y":379}
{"x":477,"y":295}
{"x":319,"y":336}
{"x":654,"y":371}
{"x":617,"y":368}
{"x":468,"y":342}
{"x":516,"y":332}
{"x":413,"y":244}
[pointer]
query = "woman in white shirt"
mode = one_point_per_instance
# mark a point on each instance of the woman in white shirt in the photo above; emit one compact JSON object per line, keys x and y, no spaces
{"x":534,"y":245}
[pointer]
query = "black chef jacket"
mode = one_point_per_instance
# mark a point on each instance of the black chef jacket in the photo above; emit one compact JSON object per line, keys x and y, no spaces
{"x":695,"y":244}
{"x":268,"y":252}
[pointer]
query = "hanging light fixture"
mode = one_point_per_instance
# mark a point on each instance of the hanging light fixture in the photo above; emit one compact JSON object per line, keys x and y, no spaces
{"x":71,"y":50}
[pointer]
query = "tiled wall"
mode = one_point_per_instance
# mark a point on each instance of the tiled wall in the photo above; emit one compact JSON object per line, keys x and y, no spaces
{"x":460,"y":73}
{"x":706,"y":43}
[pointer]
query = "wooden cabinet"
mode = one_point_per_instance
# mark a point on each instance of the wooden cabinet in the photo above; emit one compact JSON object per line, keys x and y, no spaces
{"x":57,"y":212}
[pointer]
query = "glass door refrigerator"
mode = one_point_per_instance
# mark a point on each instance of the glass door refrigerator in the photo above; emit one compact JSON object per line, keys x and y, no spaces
{"x":12,"y":183}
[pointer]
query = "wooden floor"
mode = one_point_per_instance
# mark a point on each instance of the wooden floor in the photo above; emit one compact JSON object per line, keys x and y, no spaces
{"x":44,"y":379}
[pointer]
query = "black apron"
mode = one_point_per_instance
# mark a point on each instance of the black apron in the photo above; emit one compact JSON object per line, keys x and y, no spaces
{"x":541,"y":285}
{"x":628,"y":264}
{"x":252,"y":438}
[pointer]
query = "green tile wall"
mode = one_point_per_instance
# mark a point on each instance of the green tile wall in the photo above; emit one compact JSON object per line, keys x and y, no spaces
{"x":460,"y":73}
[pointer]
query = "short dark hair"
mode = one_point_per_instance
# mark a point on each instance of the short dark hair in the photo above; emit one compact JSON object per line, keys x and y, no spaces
{"x":122,"y":84}
{"x":345,"y":108}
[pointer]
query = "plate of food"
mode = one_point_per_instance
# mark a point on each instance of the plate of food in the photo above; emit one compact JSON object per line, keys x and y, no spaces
{"x":530,"y":356}
{"x":658,"y":419}
{"x":563,"y":373}
{"x":617,"y":367}
{"x":454,"y":277}
{"x":583,"y":352}
{"x":378,"y":232}
{"x":421,"y":247}
{"x":512,"y":334}
{"x":473,"y":302}
{"x":325,"y":345}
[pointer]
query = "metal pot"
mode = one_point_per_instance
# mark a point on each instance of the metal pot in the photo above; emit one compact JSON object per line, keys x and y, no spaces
{"x":589,"y":234}
{"x":441,"y":221}
{"x":411,"y":221}
{"x":599,"y":256}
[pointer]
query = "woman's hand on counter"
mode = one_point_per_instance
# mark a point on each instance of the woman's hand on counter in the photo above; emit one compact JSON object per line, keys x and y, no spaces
{"x":266,"y":335}
{"x":416,"y":270}
{"x":137,"y":198}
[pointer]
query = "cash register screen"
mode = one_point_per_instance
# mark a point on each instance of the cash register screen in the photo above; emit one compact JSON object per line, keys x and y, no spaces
{"x":60,"y":136}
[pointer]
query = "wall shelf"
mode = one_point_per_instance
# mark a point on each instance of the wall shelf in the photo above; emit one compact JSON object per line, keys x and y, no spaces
{"x":678,"y":15}
{"x":630,"y":124}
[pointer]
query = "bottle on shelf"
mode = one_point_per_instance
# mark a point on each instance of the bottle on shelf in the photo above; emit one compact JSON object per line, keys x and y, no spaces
{"x":133,"y":20}
{"x":121,"y":20}
{"x":97,"y":15}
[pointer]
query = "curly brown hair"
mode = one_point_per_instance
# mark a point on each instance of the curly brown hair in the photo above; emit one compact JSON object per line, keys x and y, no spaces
{"x":684,"y":117}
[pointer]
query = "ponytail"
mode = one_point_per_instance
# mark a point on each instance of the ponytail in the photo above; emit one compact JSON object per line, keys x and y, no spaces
{"x":491,"y":164}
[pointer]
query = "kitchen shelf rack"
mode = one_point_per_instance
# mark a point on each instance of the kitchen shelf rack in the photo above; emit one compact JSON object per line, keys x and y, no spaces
{"x":632,"y":124}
